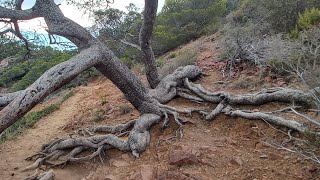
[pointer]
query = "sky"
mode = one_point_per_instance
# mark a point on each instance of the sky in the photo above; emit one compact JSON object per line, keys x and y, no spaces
{"x":74,"y":14}
{"x":38,"y":25}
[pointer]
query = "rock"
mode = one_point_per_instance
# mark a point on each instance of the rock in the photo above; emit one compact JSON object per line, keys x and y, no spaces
{"x":263,"y":156}
{"x":180,"y":158}
{"x":236,"y":161}
{"x":274,"y":157}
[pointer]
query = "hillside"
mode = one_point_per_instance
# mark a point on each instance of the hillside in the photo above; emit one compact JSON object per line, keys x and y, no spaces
{"x":226,"y":148}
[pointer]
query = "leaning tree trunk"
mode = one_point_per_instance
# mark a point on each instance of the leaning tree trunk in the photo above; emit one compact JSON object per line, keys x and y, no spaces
{"x":149,"y":103}
{"x":93,"y":53}
{"x":149,"y":14}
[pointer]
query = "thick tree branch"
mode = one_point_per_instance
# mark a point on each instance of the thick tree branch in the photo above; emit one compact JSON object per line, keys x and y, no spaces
{"x":18,"y":14}
{"x":130,"y":44}
{"x":5,"y":99}
{"x":150,"y":12}
{"x":49,"y":82}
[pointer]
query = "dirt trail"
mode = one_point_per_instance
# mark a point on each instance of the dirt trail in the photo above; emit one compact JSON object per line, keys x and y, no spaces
{"x":227,"y":148}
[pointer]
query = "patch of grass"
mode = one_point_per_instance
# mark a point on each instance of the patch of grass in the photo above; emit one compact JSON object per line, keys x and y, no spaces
{"x":139,"y":68}
{"x":124,"y":109}
{"x":172,"y":55}
{"x":67,"y":96}
{"x":104,"y":100}
{"x":160,"y":61}
{"x":28,"y":120}
{"x":184,"y":57}
{"x":245,"y":83}
{"x":98,"y":115}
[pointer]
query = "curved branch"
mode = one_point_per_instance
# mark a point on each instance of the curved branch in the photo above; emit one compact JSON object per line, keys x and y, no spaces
{"x":259,"y":98}
{"x":49,"y":82}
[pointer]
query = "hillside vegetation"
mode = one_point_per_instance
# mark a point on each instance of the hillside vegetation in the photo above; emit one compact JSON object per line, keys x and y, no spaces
{"x":241,"y":46}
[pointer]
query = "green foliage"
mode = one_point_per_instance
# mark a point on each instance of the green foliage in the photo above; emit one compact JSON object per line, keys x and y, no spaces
{"x":27,"y":121}
{"x":10,"y":48}
{"x":309,"y":18}
{"x":113,"y":25}
{"x":160,"y":61}
{"x":124,"y":109}
{"x":182,"y":58}
{"x":274,"y":15}
{"x":183,"y":20}
{"x":179,"y":22}
{"x":22,"y":73}
{"x":98,"y":115}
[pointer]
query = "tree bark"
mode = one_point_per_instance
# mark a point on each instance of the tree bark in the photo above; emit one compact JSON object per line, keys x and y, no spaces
{"x":92,"y":53}
{"x":149,"y":14}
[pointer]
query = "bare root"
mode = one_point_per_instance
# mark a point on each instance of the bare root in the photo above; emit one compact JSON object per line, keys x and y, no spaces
{"x":63,"y":151}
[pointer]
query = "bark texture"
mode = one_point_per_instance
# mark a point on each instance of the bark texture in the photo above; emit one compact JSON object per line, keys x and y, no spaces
{"x":149,"y":103}
{"x":93,"y":53}
{"x":149,"y":14}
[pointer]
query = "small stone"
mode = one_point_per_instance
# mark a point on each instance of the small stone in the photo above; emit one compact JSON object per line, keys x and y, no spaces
{"x":263,"y":156}
{"x":180,"y":158}
{"x":236,"y":161}
{"x":274,"y":157}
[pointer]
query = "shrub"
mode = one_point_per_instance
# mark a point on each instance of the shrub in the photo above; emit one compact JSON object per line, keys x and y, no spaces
{"x":98,"y":115}
{"x":184,"y":57}
{"x":309,"y":18}
{"x":124,"y":109}
{"x":160,"y":61}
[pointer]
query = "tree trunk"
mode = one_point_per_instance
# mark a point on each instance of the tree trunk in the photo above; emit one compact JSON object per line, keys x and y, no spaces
{"x":146,"y":30}
{"x":93,"y":53}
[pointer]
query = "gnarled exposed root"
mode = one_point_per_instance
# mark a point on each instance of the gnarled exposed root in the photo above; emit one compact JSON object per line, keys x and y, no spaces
{"x":48,"y":175}
{"x":62,"y":151}
{"x":259,"y":98}
{"x":113,"y":129}
{"x":272,"y":119}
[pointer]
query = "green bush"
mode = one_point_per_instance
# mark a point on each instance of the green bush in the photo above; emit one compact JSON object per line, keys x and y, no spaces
{"x":309,"y":18}
{"x":184,"y":57}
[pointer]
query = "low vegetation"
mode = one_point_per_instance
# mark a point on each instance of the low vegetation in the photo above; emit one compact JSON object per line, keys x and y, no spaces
{"x":28,"y":120}
{"x":290,"y":45}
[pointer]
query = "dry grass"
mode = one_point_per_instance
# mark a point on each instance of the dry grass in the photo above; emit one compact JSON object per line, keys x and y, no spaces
{"x":187,"y":55}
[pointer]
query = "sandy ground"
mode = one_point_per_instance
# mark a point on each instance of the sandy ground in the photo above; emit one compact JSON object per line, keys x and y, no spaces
{"x":226,"y":148}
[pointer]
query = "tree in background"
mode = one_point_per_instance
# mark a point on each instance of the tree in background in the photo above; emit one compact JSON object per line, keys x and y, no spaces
{"x":149,"y":102}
